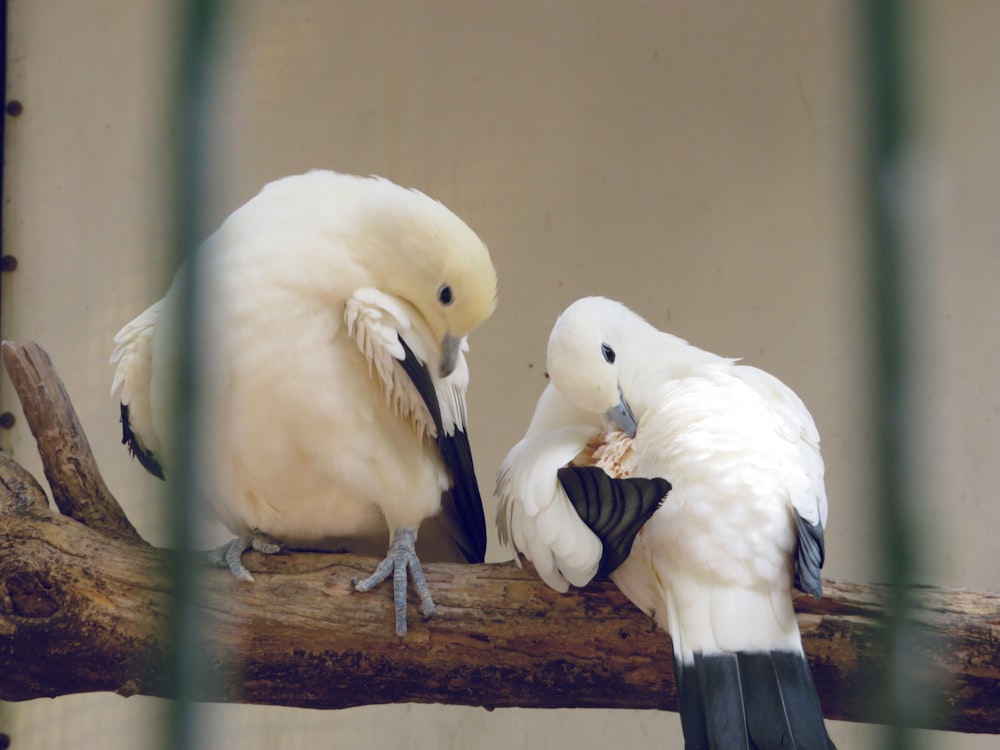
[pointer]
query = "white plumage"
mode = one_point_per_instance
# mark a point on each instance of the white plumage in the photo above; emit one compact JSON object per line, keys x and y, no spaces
{"x":715,"y":563}
{"x":334,"y":374}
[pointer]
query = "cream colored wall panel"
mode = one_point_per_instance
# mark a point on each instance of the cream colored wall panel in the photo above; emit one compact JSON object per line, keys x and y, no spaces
{"x":960,"y":117}
{"x":90,"y":721}
{"x":698,"y":161}
{"x":84,"y":202}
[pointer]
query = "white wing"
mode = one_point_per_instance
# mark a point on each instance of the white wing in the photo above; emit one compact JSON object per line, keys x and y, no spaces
{"x":451,"y":393}
{"x":808,"y":496}
{"x":383,"y":327}
{"x":133,"y":357}
{"x":376,"y":320}
{"x":535,"y":517}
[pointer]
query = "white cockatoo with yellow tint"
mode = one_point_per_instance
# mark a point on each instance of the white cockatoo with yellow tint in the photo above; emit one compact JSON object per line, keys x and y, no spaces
{"x":713,"y":552}
{"x":334,"y":376}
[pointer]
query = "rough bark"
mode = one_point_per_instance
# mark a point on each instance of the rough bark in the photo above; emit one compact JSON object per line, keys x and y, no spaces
{"x":78,"y":488}
{"x":83,"y":607}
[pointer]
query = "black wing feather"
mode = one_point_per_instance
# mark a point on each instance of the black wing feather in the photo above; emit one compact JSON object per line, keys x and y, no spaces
{"x":145,"y":456}
{"x":614,"y":509}
{"x":809,"y":556}
{"x":463,"y":503}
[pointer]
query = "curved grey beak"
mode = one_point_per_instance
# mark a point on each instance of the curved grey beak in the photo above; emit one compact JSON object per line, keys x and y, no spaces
{"x":622,"y":416}
{"x":450,"y":348}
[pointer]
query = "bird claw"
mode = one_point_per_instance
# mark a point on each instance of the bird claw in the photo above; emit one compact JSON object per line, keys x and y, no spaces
{"x":401,"y":556}
{"x":229,"y":554}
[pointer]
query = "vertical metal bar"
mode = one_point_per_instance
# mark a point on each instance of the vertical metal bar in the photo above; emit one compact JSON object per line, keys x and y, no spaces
{"x":198,"y":24}
{"x":889,"y":189}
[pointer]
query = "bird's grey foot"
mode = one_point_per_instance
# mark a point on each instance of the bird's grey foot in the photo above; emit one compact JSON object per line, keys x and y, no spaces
{"x":402,"y":555}
{"x":229,"y":554}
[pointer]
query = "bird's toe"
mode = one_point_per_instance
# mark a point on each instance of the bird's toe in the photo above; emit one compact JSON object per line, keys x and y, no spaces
{"x":381,"y":573}
{"x":229,"y":556}
{"x":264,"y":544}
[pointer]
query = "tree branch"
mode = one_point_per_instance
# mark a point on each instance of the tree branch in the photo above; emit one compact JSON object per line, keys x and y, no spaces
{"x":78,"y":488}
{"x":83,"y":608}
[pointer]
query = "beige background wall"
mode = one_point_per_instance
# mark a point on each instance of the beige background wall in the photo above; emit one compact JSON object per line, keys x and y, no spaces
{"x":697,"y":161}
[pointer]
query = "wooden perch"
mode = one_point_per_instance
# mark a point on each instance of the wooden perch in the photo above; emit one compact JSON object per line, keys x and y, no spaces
{"x":78,"y":488}
{"x":83,"y":607}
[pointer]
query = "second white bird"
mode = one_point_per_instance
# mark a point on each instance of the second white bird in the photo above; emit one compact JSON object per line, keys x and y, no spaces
{"x":715,"y":562}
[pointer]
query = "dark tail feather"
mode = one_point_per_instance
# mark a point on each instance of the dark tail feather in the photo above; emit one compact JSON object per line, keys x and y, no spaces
{"x":690,"y":705}
{"x":751,"y":701}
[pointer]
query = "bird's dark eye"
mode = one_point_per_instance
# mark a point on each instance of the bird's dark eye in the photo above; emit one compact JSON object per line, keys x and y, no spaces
{"x":445,"y":297}
{"x":609,"y":354}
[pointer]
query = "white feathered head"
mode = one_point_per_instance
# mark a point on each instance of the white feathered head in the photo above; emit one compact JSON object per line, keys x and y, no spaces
{"x":424,"y":254}
{"x":327,"y":234}
{"x":591,"y":354}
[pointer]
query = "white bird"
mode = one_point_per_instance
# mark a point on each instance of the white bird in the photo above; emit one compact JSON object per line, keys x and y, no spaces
{"x":333,"y":347}
{"x":742,"y":517}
